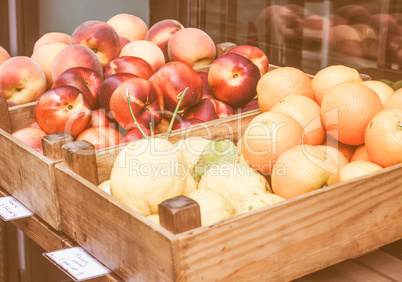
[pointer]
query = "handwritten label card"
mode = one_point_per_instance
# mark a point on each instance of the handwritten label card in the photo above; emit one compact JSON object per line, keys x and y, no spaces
{"x":77,"y":263}
{"x":11,"y":209}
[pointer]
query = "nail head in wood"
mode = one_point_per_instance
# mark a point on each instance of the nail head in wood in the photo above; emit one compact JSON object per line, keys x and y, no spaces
{"x":179,"y":214}
{"x":80,"y":157}
{"x":52,"y":143}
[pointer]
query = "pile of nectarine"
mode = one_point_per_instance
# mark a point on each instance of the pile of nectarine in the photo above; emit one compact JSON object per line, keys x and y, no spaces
{"x":80,"y":81}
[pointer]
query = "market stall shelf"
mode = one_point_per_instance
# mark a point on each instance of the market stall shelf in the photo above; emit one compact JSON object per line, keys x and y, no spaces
{"x":283,"y":241}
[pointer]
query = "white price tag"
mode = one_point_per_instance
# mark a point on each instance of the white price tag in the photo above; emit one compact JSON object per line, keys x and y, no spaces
{"x":11,"y":209}
{"x":77,"y":263}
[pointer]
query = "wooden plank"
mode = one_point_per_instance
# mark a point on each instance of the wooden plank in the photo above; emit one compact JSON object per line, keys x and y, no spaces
{"x":4,"y":116}
{"x":394,"y":249}
{"x":130,"y":245}
{"x":22,"y":116}
{"x":348,"y":270}
{"x":298,"y":236}
{"x":383,"y":263}
{"x":29,"y":177}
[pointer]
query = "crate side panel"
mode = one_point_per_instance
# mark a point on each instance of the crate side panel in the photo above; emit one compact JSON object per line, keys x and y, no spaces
{"x":128,"y":243}
{"x":298,"y":236}
{"x":28,"y":176}
{"x":22,"y":116}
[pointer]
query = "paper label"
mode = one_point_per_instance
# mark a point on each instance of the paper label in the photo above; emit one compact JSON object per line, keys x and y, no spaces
{"x":11,"y":209}
{"x":77,"y":263}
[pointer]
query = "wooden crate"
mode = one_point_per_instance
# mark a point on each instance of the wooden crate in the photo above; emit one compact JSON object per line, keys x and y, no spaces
{"x":280,"y":242}
{"x":24,"y":173}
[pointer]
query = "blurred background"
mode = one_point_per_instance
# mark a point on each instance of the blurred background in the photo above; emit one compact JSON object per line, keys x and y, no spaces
{"x":309,"y":34}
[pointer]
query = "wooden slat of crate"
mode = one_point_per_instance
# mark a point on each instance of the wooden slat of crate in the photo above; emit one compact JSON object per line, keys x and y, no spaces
{"x":29,"y":177}
{"x":126,"y":242}
{"x":300,"y":235}
{"x":22,"y":116}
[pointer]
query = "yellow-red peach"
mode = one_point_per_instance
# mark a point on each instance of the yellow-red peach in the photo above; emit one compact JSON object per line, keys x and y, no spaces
{"x":145,"y":50}
{"x":52,"y":37}
{"x":192,"y":46}
{"x":44,"y":56}
{"x":130,"y":26}
{"x":22,"y":80}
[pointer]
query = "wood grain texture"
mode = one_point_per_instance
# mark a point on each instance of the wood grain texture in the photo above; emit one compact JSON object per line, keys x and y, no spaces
{"x":29,"y":177}
{"x":130,"y":245}
{"x":5,"y":122}
{"x":383,"y":263}
{"x":298,"y":236}
{"x":179,"y":214}
{"x":52,"y":143}
{"x":22,"y":116}
{"x":80,"y":157}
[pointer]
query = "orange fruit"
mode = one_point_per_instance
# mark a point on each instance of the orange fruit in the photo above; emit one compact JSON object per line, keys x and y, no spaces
{"x":345,"y":149}
{"x":395,"y":101}
{"x":353,"y":170}
{"x":330,"y":76}
{"x":361,"y":154}
{"x":383,"y":137}
{"x":301,"y":169}
{"x":346,"y":110}
{"x":266,"y":137}
{"x":276,"y":84}
{"x":383,"y":90}
{"x":307,"y":112}
{"x":336,"y":155}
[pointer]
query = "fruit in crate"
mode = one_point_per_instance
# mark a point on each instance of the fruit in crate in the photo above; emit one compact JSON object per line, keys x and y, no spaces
{"x":145,"y":50}
{"x":233,"y":79}
{"x":254,"y":54}
{"x":279,"y":83}
{"x":330,"y":76}
{"x":107,"y":88}
{"x":86,"y":80}
{"x":63,"y":109}
{"x":128,"y":64}
{"x":31,"y":137}
{"x":100,"y":136}
{"x":22,"y":80}
{"x":257,"y":201}
{"x":75,"y":56}
{"x":352,"y":170}
{"x":185,"y":123}
{"x":267,"y":136}
{"x":172,"y":78}
{"x":137,"y":178}
{"x":135,"y":134}
{"x":346,"y":110}
{"x":52,"y":37}
{"x":383,"y":137}
{"x":209,"y":109}
{"x":161,"y":32}
{"x":192,"y":46}
{"x":129,"y":26}
{"x":213,"y":206}
{"x":100,"y":37}
{"x":301,"y":169}
{"x":44,"y":56}
{"x":146,"y":101}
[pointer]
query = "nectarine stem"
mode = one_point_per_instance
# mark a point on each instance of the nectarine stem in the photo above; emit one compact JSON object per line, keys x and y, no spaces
{"x":133,"y":115}
{"x":151,"y":129}
{"x":180,"y":97}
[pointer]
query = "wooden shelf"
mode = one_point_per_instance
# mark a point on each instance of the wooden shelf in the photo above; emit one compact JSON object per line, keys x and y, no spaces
{"x":383,"y":264}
